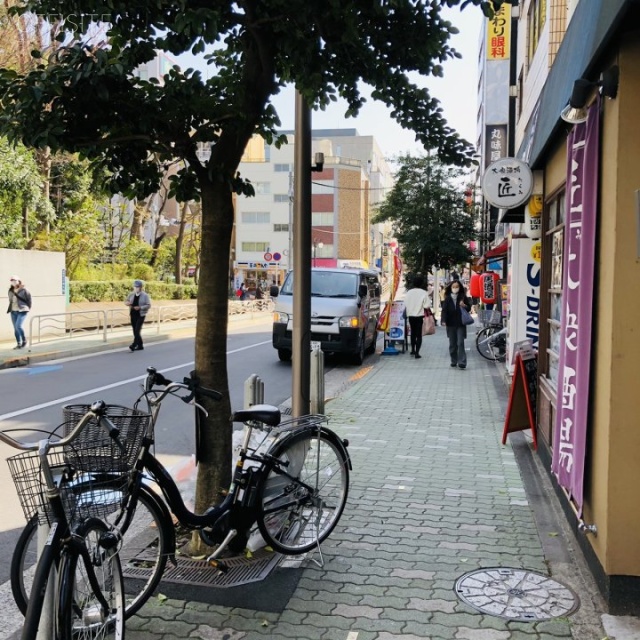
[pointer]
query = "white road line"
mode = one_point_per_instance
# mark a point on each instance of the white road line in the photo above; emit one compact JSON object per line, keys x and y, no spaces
{"x":44,"y":405}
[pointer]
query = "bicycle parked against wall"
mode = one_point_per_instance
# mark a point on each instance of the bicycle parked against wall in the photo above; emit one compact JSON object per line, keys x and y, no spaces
{"x":292,"y":485}
{"x":491,"y":341}
{"x":79,"y":562}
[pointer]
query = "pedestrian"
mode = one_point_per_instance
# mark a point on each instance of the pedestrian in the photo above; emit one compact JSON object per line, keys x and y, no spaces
{"x":455,"y":297}
{"x":19,"y":306}
{"x":139,"y":304}
{"x":242,"y":292}
{"x":416,"y":300}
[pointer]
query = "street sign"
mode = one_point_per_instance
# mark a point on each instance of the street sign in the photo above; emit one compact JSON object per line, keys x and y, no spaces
{"x":276,"y":256}
{"x":507,"y":183}
{"x":268,"y":257}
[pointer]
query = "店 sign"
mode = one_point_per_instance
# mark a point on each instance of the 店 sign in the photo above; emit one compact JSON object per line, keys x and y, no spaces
{"x":507,"y":183}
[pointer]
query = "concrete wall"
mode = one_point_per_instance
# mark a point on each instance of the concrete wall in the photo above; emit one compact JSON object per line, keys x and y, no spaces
{"x":43,"y":275}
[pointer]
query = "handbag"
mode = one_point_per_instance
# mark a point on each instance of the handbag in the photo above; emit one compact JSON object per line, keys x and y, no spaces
{"x":428,"y":323}
{"x":467,"y":319}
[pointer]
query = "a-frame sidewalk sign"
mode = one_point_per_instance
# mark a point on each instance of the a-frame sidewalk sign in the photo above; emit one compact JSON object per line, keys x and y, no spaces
{"x":521,"y":410}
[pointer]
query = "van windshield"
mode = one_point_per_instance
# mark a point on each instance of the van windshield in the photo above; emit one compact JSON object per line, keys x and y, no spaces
{"x":327,"y":284}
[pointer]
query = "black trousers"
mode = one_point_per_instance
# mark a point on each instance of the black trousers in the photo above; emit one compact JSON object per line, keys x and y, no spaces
{"x":415,"y":322}
{"x":136,"y":324}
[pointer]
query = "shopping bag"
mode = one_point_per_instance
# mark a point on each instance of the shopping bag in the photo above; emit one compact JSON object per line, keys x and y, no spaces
{"x":428,"y":323}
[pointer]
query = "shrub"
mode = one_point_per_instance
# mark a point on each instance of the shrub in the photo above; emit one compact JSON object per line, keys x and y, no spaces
{"x":114,"y":290}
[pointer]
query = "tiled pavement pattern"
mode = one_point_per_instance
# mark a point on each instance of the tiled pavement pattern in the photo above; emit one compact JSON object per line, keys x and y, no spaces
{"x":434,"y":495}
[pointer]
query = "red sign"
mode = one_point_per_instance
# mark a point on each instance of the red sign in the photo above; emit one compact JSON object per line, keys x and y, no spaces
{"x":268,"y":257}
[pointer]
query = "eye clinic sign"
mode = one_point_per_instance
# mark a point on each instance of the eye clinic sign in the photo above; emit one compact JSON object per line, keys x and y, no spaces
{"x":507,"y":183}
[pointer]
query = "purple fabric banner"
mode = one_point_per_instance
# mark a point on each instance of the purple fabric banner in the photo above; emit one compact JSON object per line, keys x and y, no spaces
{"x":570,"y":433}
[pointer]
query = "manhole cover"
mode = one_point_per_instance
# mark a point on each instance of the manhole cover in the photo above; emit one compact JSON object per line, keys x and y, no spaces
{"x":516,"y":594}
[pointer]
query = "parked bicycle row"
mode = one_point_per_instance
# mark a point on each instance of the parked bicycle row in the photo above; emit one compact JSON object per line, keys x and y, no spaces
{"x":89,"y":481}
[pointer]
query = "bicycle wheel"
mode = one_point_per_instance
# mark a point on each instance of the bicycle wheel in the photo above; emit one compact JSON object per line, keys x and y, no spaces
{"x":79,"y":614}
{"x":484,"y":343}
{"x":143,"y":552}
{"x":302,"y":497}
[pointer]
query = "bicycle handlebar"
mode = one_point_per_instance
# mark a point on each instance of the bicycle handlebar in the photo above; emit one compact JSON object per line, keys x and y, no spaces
{"x":96,"y":411}
{"x":190,"y":383}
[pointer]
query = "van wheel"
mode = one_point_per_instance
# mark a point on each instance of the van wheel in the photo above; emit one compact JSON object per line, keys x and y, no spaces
{"x":284,"y":355}
{"x":358,"y":358}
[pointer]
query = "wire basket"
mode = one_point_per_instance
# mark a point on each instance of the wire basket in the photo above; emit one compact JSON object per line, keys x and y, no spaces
{"x":96,"y":451}
{"x":83,"y":494}
{"x":490,"y":317}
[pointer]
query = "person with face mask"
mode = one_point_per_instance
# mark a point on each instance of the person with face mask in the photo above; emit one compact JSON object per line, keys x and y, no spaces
{"x":455,"y":297}
{"x":19,"y":306}
{"x":139,"y":304}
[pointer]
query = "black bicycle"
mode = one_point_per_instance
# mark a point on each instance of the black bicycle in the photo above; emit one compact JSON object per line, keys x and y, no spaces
{"x":292,"y":485}
{"x":78,"y":577}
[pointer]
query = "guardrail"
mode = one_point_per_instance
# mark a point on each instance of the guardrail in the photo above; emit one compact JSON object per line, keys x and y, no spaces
{"x":102,"y":322}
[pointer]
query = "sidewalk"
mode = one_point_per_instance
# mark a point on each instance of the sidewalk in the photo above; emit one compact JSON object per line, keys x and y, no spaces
{"x":434,"y":496}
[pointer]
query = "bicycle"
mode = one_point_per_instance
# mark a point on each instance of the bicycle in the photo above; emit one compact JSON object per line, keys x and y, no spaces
{"x":491,"y":343}
{"x":79,"y":562}
{"x":294,"y":490}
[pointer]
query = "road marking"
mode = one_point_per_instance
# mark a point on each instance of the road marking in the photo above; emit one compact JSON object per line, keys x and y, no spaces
{"x":51,"y":403}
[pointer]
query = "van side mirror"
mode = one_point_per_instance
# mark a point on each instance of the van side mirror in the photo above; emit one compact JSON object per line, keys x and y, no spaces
{"x":363,"y":290}
{"x":274,"y":290}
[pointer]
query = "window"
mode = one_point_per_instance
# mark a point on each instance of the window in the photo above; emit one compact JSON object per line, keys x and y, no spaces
{"x":281,"y":167}
{"x":322,"y":219}
{"x":255,"y":246}
{"x":281,"y":227}
{"x":536,"y":18}
{"x":262,"y":188}
{"x":256,"y":217}
{"x":281,"y":197}
{"x":555,"y":240}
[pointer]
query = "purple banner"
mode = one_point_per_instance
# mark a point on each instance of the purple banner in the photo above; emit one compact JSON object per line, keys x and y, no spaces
{"x":570,"y":433}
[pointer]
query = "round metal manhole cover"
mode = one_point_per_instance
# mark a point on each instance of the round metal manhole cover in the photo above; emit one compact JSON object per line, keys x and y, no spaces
{"x":516,"y":594}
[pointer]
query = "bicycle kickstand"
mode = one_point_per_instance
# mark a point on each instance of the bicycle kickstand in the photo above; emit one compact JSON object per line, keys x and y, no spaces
{"x":319,"y":563}
{"x":212,"y":559}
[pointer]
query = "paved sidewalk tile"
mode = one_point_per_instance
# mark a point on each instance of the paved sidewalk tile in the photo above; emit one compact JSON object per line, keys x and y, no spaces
{"x":433,"y":495}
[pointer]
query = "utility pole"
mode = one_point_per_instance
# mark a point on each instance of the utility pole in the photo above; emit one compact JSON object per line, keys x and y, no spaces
{"x":301,"y":344}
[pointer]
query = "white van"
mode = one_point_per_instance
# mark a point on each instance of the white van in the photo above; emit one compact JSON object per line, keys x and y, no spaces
{"x":345,"y":307}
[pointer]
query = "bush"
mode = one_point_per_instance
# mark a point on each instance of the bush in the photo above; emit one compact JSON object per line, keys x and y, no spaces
{"x":110,"y":291}
{"x":141,"y":271}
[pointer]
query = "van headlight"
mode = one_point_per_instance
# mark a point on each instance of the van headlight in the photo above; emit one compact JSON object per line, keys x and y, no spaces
{"x":351,"y":322}
{"x":280,"y":318}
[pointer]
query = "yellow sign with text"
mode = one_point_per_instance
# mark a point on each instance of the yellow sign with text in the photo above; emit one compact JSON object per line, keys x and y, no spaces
{"x":499,"y":33}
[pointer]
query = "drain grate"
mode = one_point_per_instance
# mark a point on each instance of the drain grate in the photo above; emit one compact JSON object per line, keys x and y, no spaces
{"x":242,"y":570}
{"x":516,"y":594}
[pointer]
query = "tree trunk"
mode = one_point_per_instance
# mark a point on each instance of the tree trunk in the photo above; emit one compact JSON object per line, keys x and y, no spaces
{"x":179,"y":243}
{"x":214,"y":454}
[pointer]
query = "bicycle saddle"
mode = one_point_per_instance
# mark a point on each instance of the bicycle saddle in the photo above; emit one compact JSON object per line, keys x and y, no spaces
{"x":265,"y":413}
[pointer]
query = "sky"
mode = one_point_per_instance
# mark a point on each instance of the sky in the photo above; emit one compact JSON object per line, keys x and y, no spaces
{"x":457,"y":92}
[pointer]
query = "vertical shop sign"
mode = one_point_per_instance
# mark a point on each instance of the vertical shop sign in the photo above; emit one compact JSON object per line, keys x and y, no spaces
{"x":570,"y":433}
{"x":499,"y":33}
{"x":495,"y":142}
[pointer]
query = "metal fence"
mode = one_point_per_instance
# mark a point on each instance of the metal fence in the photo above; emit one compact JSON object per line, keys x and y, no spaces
{"x":103,"y":322}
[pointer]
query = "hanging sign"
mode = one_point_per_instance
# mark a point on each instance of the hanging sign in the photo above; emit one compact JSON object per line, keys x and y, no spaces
{"x":507,"y":183}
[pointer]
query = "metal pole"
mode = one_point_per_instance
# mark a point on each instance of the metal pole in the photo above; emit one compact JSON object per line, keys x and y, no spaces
{"x":301,"y":359}
{"x":290,"y":254}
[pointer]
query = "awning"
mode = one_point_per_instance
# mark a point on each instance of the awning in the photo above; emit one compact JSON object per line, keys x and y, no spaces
{"x":496,"y":252}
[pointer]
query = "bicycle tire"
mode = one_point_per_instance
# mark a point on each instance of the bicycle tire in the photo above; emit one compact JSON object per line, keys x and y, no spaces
{"x":148,"y":529}
{"x":79,"y":614}
{"x":483,"y":344}
{"x":301,"y":500}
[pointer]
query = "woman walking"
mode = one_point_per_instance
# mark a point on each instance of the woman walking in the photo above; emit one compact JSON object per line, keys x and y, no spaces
{"x":455,"y":297}
{"x":139,"y":303}
{"x":19,"y":306}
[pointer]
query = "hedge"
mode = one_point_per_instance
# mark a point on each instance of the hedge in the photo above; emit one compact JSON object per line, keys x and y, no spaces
{"x":111,"y":291}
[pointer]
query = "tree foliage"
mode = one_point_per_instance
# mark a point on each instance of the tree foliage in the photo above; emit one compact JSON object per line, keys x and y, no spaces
{"x":430,"y":219}
{"x":86,"y":97}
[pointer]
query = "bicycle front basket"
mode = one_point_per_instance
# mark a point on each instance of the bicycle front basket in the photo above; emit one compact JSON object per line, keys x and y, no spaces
{"x":94,"y":451}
